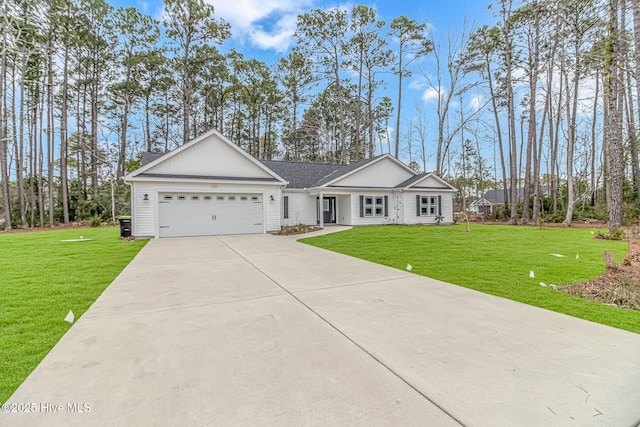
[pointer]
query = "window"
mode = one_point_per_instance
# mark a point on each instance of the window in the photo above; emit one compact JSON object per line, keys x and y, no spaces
{"x":428,"y":205}
{"x":285,"y":201}
{"x":254,"y":198}
{"x":182,"y":198}
{"x":243,"y":198}
{"x":207,"y":197}
{"x":195,"y":198}
{"x":220,"y":198}
{"x":232,"y":197}
{"x":374,"y":206}
{"x":379,"y":206}
{"x":368,"y":206}
{"x":168,"y":197}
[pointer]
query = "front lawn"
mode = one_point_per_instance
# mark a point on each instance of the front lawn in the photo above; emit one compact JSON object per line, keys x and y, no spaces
{"x":41,"y":280}
{"x":496,"y":260}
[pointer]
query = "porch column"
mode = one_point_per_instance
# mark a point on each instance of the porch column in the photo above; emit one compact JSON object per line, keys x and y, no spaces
{"x":321,"y":210}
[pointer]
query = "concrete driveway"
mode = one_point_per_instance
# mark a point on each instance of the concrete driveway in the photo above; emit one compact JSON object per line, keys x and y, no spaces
{"x":262,"y":330}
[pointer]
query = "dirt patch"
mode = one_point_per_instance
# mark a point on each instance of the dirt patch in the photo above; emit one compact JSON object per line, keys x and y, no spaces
{"x":619,"y":285}
{"x":289,"y":230}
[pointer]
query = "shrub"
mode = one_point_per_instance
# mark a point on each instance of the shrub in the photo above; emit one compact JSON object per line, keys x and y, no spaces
{"x":617,"y":234}
{"x":96,"y":221}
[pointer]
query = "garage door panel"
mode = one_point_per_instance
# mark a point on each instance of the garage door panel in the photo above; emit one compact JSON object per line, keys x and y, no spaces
{"x":210,"y":214}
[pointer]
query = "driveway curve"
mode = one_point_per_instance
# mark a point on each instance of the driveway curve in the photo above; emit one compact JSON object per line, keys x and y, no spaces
{"x":263,"y":330}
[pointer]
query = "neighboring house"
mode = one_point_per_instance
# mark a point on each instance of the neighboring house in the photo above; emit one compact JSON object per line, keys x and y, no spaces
{"x":488,"y":203}
{"x":210,"y":186}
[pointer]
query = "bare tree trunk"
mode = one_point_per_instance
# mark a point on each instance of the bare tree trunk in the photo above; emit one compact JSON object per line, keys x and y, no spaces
{"x":147,"y":123}
{"x":631,"y":124}
{"x":41,"y":156}
{"x":496,"y":117}
{"x":636,"y":34}
{"x":343,"y":137}
{"x":513,"y":154}
{"x":358,"y":108}
{"x":94,"y":131}
{"x":531,"y":133}
{"x":186,"y":97}
{"x":572,"y":112}
{"x":122,"y":155}
{"x":19,"y":147}
{"x":594,"y":186}
{"x":50,"y":131}
{"x":614,"y":124}
{"x":64,"y":177}
{"x":537,"y":203}
{"x":4,"y":134}
{"x":397,"y":135}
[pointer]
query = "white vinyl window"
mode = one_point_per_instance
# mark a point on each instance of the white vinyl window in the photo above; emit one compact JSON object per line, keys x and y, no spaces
{"x":373,"y":206}
{"x":428,"y":205}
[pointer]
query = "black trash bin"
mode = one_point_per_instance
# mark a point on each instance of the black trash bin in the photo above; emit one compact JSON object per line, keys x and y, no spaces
{"x":125,"y":226}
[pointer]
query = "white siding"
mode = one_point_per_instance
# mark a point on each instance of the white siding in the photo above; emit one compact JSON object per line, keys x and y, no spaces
{"x":343,"y":208}
{"x":372,"y":220}
{"x":144,"y":212}
{"x":302,"y":209}
{"x":210,"y":157}
{"x":383,"y":173}
{"x":272,"y":209}
{"x":410,"y":207}
{"x":430,"y":182}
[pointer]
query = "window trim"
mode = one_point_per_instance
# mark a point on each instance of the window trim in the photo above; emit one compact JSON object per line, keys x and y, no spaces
{"x":371,"y":208}
{"x":430,"y":207}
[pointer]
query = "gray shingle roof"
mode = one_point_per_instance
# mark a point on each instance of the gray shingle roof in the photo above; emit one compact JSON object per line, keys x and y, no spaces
{"x":149,"y":157}
{"x":412,"y":180}
{"x":301,"y":174}
{"x":309,"y":175}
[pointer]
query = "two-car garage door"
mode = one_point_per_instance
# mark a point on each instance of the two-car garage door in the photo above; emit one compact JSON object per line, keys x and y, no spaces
{"x":201,"y":214}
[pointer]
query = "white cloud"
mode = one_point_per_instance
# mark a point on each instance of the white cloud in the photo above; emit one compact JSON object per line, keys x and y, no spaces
{"x":432,"y":94}
{"x":144,"y":6}
{"x":418,"y":83}
{"x":476,"y":102}
{"x":265,"y":24}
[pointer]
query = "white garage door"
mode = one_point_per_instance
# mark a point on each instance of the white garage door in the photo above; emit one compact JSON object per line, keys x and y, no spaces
{"x":190,"y":214}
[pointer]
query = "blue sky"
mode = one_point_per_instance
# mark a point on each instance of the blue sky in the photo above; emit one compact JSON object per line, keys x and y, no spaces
{"x":263,"y":29}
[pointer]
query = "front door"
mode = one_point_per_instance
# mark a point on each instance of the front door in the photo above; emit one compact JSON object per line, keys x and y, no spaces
{"x":329,"y":210}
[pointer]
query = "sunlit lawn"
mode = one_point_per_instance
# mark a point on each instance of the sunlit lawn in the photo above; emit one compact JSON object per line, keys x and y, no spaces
{"x":496,"y":260}
{"x":41,"y":280}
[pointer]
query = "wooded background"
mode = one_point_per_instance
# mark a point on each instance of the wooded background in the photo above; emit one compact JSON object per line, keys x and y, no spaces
{"x":545,"y":98}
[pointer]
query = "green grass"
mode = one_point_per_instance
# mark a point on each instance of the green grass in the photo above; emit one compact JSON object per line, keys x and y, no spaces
{"x":495,"y":260}
{"x":41,"y":279}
